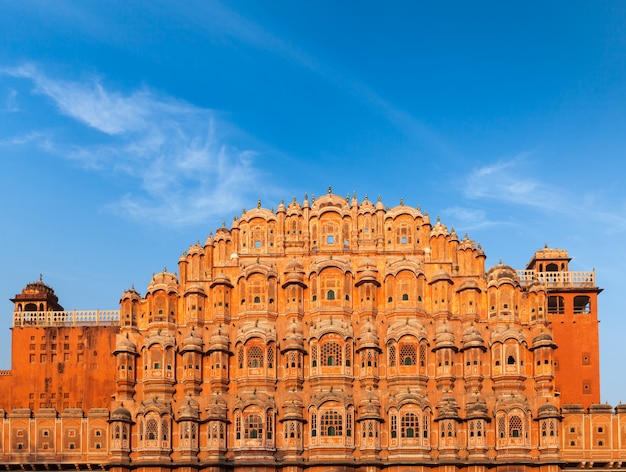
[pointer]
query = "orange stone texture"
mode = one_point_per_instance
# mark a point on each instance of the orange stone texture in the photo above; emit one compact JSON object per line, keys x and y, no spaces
{"x":328,"y":334}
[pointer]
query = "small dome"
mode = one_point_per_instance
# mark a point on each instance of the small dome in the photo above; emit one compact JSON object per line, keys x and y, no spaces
{"x":444,"y":337}
{"x":130,"y":295}
{"x":547,"y":410}
{"x":294,"y":338}
{"x":294,"y":207}
{"x":466,"y":244}
{"x":477,"y":408}
{"x":196,"y":249}
{"x":294,"y":273}
{"x":281,"y":207}
{"x":219,"y":340}
{"x":448,"y":407}
{"x":195,"y":288}
{"x":503,"y":333}
{"x":368,"y":335}
{"x":367,"y":272}
{"x":543,"y":340}
{"x":472,"y":338}
{"x":258,"y":212}
{"x":453,"y":235}
{"x":222,"y":279}
{"x":126,"y":345}
{"x":438,"y":230}
{"x":163,"y":281}
{"x":500,"y":274}
{"x":193,"y":342}
{"x":379,"y":204}
{"x":440,"y":274}
{"x":468,"y":284}
{"x":217,"y":408}
{"x":121,"y":414}
{"x":294,"y":265}
{"x":190,"y":410}
{"x":292,"y":406}
{"x":369,"y":406}
{"x":366,"y":207}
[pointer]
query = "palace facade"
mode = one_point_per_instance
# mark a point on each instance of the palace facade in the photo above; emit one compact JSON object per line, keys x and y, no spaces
{"x":330,"y":334}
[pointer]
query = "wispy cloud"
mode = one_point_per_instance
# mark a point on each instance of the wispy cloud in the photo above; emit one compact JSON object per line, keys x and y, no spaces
{"x":37,"y":137}
{"x":180,"y":154}
{"x":10,"y":103}
{"x":514,"y":181}
{"x":469,"y":218}
{"x":507,"y":181}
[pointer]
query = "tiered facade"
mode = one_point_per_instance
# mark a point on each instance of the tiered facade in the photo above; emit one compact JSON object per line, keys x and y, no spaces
{"x":330,"y":334}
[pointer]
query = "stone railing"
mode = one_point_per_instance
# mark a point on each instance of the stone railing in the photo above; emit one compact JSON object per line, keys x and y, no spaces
{"x":66,"y":318}
{"x":558,"y":279}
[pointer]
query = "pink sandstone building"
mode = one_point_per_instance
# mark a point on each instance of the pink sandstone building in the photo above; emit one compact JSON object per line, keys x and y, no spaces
{"x":327,"y":335}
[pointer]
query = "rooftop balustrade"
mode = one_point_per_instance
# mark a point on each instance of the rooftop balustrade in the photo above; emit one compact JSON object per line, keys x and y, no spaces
{"x":582,"y":279}
{"x":66,"y":318}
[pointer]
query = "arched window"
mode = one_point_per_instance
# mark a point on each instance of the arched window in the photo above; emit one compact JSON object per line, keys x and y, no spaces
{"x":253,"y":427}
{"x":330,"y":295}
{"x":238,"y":425}
{"x":313,"y":425}
{"x":501,"y":426}
{"x":515,"y":426}
{"x":408,"y":354}
{"x":331,"y":423}
{"x":331,"y":354}
{"x":165,"y":430}
{"x":255,"y":357}
{"x":409,"y":425}
{"x":152,"y":429}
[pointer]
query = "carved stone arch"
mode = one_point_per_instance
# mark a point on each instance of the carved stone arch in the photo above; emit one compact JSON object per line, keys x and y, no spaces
{"x":266,"y":270}
{"x":407,"y":328}
{"x":395,"y":266}
{"x":402,"y":211}
{"x":154,"y":405}
{"x":256,"y":399}
{"x":321,"y":398}
{"x":408,"y":398}
{"x":330,"y":203}
{"x":262,"y":330}
{"x":222,"y":235}
{"x":329,"y":326}
{"x":165,"y":340}
{"x":503,"y":334}
{"x":341,"y":263}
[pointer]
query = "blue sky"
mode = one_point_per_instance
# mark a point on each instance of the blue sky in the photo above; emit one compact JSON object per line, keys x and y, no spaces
{"x":130,"y":130}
